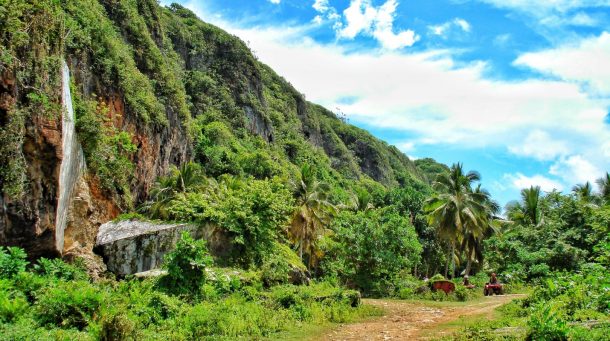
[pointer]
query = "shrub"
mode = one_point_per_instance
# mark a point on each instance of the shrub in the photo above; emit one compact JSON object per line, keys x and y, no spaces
{"x":12,"y":261}
{"x":233,"y":317}
{"x":117,"y":327}
{"x":437,"y":277}
{"x":12,"y":306}
{"x":406,"y":293}
{"x":30,"y":284}
{"x":462,"y":293}
{"x":544,"y":325}
{"x":278,"y":265}
{"x":68,"y":305}
{"x":186,"y":265}
{"x":59,"y":269}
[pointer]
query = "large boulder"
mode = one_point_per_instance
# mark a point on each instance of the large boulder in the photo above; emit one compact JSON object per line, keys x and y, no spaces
{"x":129,"y":247}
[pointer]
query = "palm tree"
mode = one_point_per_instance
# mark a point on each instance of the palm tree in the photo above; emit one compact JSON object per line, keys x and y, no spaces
{"x":472,"y":244}
{"x":604,"y":186}
{"x":180,"y":180}
{"x":457,"y":210}
{"x":360,"y":201}
{"x":528,"y":210}
{"x":584,"y":192}
{"x":312,"y":214}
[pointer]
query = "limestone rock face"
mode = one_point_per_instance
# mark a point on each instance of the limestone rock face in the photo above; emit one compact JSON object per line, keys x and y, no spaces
{"x":29,"y":221}
{"x":129,"y":247}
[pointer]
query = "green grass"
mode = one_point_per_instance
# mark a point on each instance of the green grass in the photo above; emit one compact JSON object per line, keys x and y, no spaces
{"x":304,"y":331}
{"x":499,"y":324}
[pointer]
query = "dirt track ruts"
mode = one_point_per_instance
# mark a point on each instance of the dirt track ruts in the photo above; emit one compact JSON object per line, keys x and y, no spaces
{"x":412,"y":320}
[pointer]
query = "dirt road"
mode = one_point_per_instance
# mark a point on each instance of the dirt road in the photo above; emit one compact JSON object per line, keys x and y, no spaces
{"x":412,"y":320}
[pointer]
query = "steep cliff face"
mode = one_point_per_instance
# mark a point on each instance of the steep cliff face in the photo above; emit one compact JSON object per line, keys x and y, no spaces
{"x":152,"y":87}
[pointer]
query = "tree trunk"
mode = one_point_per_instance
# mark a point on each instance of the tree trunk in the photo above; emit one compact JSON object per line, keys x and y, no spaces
{"x":468,"y":266}
{"x":452,"y":260}
{"x":302,"y":241}
{"x":448,"y":260}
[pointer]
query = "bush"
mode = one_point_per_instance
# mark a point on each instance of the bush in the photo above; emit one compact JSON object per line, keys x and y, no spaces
{"x":544,"y":325}
{"x":59,"y":269}
{"x":462,"y":293}
{"x":117,"y":327}
{"x":437,"y":277}
{"x":279,"y":264}
{"x":30,"y":284}
{"x":186,"y":265}
{"x":233,"y":318}
{"x":12,"y":305}
{"x":12,"y":261}
{"x":68,"y":305}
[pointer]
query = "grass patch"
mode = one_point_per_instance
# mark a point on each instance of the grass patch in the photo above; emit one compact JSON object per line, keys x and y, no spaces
{"x":316,"y":331}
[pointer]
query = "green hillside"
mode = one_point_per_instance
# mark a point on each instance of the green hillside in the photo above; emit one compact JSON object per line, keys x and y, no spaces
{"x":169,"y":68}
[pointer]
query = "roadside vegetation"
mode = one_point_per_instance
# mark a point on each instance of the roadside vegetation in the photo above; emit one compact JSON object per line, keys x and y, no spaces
{"x":52,"y":300}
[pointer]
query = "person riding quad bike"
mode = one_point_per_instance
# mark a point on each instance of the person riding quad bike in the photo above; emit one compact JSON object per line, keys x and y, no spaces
{"x":493,"y":286}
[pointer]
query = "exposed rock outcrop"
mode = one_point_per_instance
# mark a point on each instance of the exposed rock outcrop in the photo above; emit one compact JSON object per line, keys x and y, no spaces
{"x":29,"y":220}
{"x":129,"y":247}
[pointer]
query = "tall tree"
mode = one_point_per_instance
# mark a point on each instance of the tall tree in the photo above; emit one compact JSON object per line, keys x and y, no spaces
{"x":312,"y":215}
{"x":456,"y":210}
{"x":584,"y":192}
{"x":604,"y":186}
{"x":472,"y":245}
{"x":528,"y":210}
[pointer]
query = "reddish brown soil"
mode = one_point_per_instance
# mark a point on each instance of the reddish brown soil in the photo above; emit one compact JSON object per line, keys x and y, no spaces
{"x":406,"y":320}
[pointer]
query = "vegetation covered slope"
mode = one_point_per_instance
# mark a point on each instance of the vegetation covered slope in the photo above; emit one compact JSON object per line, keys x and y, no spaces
{"x":155,"y":87}
{"x":162,"y":60}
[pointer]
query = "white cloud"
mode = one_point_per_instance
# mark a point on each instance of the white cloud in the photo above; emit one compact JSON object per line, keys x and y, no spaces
{"x":586,"y":62}
{"x":555,"y":19}
{"x":321,"y":6}
{"x":521,"y":181}
{"x":362,"y":17}
{"x":606,"y":149}
{"x":582,"y":19}
{"x":542,"y":7}
{"x":540,"y":145}
{"x":274,"y":1}
{"x":327,"y":12}
{"x":575,"y":169}
{"x":463,"y":24}
{"x":443,"y":29}
{"x":406,"y":147}
{"x":502,"y":40}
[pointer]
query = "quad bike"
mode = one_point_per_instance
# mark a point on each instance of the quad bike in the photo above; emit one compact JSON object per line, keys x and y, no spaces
{"x":491,"y":289}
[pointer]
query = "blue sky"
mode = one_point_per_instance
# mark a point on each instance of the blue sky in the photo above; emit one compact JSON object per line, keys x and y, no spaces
{"x":516,"y":89}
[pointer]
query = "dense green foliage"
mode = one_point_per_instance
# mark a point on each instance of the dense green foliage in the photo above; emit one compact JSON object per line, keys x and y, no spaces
{"x":368,"y":248}
{"x":186,"y":265}
{"x":57,"y":301}
{"x":250,"y":212}
{"x":12,"y":261}
{"x":560,"y":233}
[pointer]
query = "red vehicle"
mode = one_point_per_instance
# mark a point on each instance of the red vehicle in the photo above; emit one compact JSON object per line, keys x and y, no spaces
{"x":493,"y":288}
{"x":446,"y":286}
